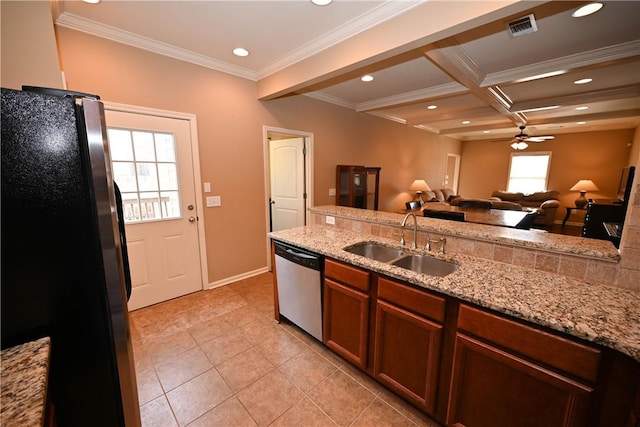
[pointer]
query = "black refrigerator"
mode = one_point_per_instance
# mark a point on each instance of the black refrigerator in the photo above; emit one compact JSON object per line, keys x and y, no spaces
{"x":64,"y":266}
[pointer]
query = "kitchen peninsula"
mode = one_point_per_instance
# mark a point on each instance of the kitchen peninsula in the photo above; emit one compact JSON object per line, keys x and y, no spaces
{"x":511,"y":308}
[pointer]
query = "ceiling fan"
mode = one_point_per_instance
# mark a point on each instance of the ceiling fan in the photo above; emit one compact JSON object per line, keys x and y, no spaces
{"x":521,"y":140}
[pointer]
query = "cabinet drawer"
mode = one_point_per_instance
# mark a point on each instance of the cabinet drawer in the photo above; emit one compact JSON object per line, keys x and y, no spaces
{"x":346,"y":274}
{"x":414,"y":300}
{"x":568,"y":356}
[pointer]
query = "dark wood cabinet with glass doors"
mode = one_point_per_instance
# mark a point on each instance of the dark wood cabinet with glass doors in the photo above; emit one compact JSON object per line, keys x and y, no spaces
{"x":357,"y":186}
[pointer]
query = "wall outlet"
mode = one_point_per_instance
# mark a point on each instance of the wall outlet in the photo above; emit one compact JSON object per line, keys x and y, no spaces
{"x":330,"y":220}
{"x":214,"y":201}
{"x":332,"y":191}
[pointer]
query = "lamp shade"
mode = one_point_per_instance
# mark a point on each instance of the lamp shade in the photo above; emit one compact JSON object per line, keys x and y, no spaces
{"x":419,"y":185}
{"x":584,"y":185}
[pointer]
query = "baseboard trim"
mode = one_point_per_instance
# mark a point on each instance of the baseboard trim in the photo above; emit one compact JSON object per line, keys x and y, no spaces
{"x":232,"y":279}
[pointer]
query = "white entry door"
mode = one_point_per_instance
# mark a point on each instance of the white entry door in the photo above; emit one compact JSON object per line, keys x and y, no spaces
{"x":287,"y":183}
{"x":153,"y":167}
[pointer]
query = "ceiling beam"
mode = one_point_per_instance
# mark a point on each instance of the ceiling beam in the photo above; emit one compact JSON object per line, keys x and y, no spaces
{"x":424,"y":24}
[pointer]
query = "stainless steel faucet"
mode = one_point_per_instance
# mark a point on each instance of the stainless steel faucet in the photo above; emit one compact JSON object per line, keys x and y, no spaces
{"x":415,"y":229}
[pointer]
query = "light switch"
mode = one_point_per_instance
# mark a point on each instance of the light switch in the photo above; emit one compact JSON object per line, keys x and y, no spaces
{"x":214,"y":201}
{"x":332,"y":191}
{"x":207,"y":187}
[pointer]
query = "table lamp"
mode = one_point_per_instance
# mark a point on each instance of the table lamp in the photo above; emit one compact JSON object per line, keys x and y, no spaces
{"x":419,"y":186}
{"x":583,"y":186}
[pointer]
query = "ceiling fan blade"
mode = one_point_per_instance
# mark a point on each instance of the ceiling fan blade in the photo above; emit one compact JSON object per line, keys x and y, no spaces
{"x":539,"y":138}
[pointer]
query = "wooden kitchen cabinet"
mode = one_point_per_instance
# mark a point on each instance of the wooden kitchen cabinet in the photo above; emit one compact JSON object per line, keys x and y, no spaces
{"x":506,"y":373}
{"x":407,"y":343}
{"x":346,"y":311}
{"x":467,"y":366}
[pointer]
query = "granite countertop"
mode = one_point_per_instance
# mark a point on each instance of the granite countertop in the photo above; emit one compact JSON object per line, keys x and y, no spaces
{"x":24,"y":373}
{"x":532,"y":239}
{"x":600,"y":314}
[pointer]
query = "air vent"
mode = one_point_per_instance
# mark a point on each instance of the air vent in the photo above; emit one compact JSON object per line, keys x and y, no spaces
{"x":522,"y":26}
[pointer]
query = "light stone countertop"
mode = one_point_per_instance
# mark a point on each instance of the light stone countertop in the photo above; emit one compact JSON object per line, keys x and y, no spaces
{"x":25,"y":370}
{"x":532,"y":239}
{"x":600,"y":314}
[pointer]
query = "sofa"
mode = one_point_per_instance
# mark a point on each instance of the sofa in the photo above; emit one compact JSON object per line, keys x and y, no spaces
{"x":443,"y":195}
{"x":546,"y":203}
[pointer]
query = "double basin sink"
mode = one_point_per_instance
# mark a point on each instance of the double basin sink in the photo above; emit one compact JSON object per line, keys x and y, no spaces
{"x":410,"y":261}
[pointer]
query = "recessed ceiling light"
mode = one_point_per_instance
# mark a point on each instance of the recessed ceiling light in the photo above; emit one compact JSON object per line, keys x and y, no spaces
{"x":587,"y":10}
{"x":486,"y":131}
{"x":583,"y":81}
{"x":581,"y":123}
{"x":366,"y":78}
{"x":321,"y":2}
{"x":91,"y":1}
{"x":432,"y":107}
{"x":584,"y":107}
{"x":240,"y":51}
{"x":466,"y":122}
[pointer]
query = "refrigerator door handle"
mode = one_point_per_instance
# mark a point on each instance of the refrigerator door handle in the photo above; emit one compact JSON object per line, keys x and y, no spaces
{"x":123,"y":241}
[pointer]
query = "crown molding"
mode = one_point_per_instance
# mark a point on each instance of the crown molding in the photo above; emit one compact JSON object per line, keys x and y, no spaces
{"x":386,"y":11}
{"x":382,"y":13}
{"x":320,"y":96}
{"x":388,"y":117}
{"x":412,"y":97}
{"x":585,"y":59}
{"x":74,"y":22}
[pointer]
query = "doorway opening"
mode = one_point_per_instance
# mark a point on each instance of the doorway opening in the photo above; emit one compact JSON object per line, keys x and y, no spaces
{"x":288,"y":157}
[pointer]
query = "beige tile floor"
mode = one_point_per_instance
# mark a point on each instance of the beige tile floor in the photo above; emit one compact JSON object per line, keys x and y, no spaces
{"x":217,"y":358}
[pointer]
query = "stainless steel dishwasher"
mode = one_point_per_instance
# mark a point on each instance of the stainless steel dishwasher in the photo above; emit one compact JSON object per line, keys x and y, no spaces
{"x":299,"y":275}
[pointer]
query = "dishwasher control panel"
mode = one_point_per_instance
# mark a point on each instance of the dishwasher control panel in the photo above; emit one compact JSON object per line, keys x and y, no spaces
{"x":298,"y":256}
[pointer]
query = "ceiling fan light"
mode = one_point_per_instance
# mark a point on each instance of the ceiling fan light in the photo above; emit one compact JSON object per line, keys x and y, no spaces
{"x":587,"y":10}
{"x":518,"y":146}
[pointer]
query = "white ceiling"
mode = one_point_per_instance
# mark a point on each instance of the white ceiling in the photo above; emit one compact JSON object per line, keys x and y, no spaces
{"x":415,"y":65}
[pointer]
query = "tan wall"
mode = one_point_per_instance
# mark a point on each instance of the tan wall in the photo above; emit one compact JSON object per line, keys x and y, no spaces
{"x":29,"y":53}
{"x":599,"y":156}
{"x":230,"y":122}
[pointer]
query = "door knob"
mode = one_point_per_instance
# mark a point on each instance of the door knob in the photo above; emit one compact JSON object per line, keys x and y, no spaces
{"x":192,"y":219}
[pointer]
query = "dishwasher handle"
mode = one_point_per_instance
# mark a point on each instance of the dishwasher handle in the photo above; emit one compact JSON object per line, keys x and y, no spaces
{"x":299,"y":256}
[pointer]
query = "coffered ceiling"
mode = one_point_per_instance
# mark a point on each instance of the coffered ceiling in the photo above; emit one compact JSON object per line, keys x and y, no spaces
{"x":456,"y":55}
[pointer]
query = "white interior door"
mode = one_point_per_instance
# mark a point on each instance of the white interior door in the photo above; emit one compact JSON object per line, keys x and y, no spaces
{"x":452,"y":173}
{"x":287,"y":183}
{"x":153,"y":167}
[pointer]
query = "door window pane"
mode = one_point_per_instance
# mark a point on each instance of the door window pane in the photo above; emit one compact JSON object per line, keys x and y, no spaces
{"x":165,"y":148}
{"x":120,"y":144}
{"x":144,"y":163}
{"x":167,"y":176}
{"x":147,"y":176}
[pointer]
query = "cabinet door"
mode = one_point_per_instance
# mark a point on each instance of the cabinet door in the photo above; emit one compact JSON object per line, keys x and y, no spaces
{"x":492,"y":388}
{"x":407,"y":353}
{"x":346,"y":321}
